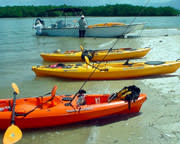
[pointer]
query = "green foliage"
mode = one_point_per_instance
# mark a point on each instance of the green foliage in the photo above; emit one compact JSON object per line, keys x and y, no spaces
{"x":108,"y":10}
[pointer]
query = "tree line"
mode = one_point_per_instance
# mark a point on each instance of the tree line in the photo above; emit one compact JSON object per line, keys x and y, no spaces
{"x":108,"y":10}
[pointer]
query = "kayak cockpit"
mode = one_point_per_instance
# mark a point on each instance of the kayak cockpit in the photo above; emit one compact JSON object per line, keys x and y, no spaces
{"x":127,"y":94}
{"x":25,"y":105}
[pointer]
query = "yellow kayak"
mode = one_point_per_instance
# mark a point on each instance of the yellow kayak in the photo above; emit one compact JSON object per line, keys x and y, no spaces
{"x":96,"y":55}
{"x":107,"y":71}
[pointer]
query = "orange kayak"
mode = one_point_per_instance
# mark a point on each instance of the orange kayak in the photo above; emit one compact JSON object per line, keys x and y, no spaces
{"x":37,"y":112}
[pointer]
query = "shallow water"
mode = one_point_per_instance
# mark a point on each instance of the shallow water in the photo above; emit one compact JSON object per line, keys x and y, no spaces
{"x":20,"y":49}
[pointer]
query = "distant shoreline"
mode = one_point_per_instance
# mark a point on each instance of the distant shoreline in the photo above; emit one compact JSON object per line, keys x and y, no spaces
{"x":118,"y":10}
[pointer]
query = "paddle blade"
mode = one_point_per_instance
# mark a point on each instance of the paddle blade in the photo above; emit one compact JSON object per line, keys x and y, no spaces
{"x":12,"y":135}
{"x":53,"y":91}
{"x":15,"y":88}
{"x":87,"y":60}
{"x":81,"y":47}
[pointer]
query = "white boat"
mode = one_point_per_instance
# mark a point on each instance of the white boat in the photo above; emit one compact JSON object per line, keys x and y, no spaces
{"x":98,"y":31}
{"x":110,"y":29}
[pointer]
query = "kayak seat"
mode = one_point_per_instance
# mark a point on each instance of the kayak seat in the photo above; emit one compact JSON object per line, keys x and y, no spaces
{"x":96,"y":99}
{"x":60,"y":65}
{"x":47,"y":102}
{"x":24,"y":108}
{"x":51,"y":103}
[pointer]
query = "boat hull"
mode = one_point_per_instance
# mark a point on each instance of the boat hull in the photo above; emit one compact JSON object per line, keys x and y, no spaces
{"x":108,"y":71}
{"x":104,"y":31}
{"x":59,"y":114}
{"x":116,"y":54}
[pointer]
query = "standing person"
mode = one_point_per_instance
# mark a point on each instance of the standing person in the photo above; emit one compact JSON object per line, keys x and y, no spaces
{"x":38,"y":26}
{"x":82,"y":26}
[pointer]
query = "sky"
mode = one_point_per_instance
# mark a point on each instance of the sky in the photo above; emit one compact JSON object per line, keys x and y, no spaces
{"x":76,"y":2}
{"x":88,"y":2}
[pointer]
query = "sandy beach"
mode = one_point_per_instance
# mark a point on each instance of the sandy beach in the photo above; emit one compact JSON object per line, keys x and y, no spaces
{"x":158,"y":121}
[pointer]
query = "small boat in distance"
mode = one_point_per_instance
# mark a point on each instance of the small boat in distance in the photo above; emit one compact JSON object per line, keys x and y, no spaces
{"x":109,"y":29}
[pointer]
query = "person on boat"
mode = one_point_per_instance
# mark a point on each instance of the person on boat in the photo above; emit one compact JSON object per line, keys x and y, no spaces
{"x":82,"y":26}
{"x":38,"y":27}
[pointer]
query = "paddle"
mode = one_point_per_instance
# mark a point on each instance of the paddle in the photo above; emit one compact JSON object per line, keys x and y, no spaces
{"x":13,"y":132}
{"x":81,"y":47}
{"x":93,"y":66}
{"x":87,"y":60}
